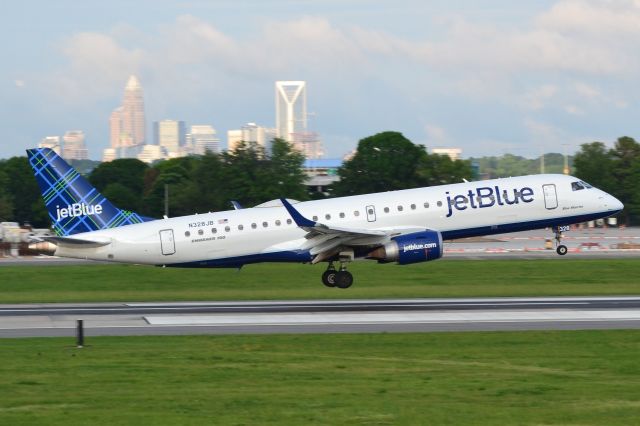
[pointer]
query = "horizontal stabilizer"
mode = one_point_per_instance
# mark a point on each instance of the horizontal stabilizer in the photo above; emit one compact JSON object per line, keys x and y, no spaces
{"x":75,"y":242}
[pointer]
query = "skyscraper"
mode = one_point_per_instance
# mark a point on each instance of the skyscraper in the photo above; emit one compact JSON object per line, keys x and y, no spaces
{"x":291,"y":118}
{"x":133,"y":123}
{"x":291,"y":109}
{"x":127,"y":124}
{"x":203,"y":138}
{"x":262,"y":136}
{"x":74,"y":147}
{"x":170,"y":134}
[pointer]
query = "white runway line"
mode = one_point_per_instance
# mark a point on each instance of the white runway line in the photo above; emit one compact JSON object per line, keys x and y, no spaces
{"x":394,"y":317}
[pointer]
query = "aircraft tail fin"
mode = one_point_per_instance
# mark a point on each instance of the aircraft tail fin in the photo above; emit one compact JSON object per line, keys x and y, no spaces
{"x":74,"y":205}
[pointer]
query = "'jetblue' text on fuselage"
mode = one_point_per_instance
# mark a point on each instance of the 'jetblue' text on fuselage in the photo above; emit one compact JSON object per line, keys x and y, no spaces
{"x":488,"y":196}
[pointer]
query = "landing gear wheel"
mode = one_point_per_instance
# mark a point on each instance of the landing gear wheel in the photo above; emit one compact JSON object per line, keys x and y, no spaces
{"x":329,"y":277}
{"x":561,"y":250}
{"x":344,"y":279}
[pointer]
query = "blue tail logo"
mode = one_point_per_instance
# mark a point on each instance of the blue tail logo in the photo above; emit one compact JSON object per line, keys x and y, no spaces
{"x":74,"y":205}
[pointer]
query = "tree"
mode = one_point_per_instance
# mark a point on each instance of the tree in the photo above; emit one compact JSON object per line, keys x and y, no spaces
{"x":6,"y":205}
{"x":24,"y":193}
{"x":129,"y":173}
{"x":626,"y":172}
{"x":594,"y":164}
{"x":440,"y":169}
{"x":383,"y":162}
{"x":284,"y":177}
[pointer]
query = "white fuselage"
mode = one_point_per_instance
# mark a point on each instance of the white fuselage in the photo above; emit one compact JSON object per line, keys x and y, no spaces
{"x":235,"y":237}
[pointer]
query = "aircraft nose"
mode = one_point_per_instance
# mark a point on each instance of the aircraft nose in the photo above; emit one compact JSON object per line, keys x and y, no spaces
{"x":614,"y":203}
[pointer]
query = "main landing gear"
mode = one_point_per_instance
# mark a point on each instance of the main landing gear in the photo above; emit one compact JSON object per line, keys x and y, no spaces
{"x":340,"y":279}
{"x":561,"y":249}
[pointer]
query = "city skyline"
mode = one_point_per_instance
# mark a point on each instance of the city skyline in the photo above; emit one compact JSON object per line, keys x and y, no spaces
{"x":489,"y":77}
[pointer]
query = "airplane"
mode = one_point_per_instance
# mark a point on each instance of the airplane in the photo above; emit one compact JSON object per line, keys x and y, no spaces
{"x":405,"y":226}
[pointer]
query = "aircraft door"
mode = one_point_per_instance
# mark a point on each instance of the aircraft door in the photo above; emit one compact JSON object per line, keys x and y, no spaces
{"x":550,"y":196}
{"x":371,"y":213}
{"x":167,"y":242}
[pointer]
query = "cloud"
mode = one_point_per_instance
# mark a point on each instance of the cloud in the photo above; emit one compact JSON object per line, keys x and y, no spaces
{"x":573,"y":59}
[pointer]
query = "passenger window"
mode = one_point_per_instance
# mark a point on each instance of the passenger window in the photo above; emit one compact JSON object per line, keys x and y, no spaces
{"x":187,"y":234}
{"x":254,"y":226}
{"x":214,"y":230}
{"x":227,"y":229}
{"x":315,"y":218}
{"x":288,"y":221}
{"x":400,"y":208}
{"x":426,"y":205}
{"x":200,"y":232}
{"x":265,"y":224}
{"x":341,"y":215}
{"x":240,"y":227}
{"x":327,"y":216}
{"x":439,"y":203}
{"x":386,"y":209}
{"x":413,"y":206}
{"x":356,"y":213}
{"x":278,"y":222}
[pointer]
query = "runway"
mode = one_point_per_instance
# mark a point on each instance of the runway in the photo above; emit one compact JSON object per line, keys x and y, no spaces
{"x":322,"y":316}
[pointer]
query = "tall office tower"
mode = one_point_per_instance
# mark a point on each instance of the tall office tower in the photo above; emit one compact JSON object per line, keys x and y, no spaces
{"x":291,"y":118}
{"x":234,"y":137}
{"x":291,"y":109}
{"x":170,"y":134}
{"x":262,"y":136}
{"x":133,"y":124}
{"x":74,"y":147}
{"x":115,"y":128}
{"x":203,"y":138}
{"x":51,"y":142}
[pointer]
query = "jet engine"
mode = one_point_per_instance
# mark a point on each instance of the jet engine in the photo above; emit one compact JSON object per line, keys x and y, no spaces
{"x":410,"y":248}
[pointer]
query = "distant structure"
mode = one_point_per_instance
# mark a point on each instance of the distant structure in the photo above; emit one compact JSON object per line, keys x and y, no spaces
{"x":151,"y":153}
{"x":453,"y":153}
{"x":74,"y":147}
{"x":51,"y":142}
{"x":262,"y":136}
{"x":171,"y":135}
{"x":291,"y":118}
{"x":234,"y":137}
{"x":133,"y":120}
{"x":203,"y":138}
{"x":127,"y":124}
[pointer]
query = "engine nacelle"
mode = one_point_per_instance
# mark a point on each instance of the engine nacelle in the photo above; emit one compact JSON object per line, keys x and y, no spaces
{"x":410,"y":248}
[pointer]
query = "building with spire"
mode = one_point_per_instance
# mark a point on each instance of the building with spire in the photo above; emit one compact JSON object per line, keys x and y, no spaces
{"x":127,"y":124}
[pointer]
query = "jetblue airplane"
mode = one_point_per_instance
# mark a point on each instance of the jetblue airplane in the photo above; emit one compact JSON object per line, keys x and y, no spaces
{"x":406,"y":226}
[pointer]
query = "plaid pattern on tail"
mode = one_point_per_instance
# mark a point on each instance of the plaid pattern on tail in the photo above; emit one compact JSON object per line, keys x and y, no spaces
{"x":74,"y":205}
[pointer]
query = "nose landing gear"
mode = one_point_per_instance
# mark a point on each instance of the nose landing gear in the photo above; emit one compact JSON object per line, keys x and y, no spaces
{"x":561,"y":249}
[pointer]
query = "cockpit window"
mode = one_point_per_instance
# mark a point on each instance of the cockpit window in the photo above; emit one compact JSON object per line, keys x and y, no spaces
{"x":577,"y":186}
{"x":586,"y":185}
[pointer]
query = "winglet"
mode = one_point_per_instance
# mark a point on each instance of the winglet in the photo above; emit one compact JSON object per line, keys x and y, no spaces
{"x":300,"y":220}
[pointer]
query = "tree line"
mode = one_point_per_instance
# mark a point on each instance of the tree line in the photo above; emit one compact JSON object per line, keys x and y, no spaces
{"x":250,"y":175}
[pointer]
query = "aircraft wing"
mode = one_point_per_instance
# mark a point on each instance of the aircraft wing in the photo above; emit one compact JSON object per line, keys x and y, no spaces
{"x":324,"y":241}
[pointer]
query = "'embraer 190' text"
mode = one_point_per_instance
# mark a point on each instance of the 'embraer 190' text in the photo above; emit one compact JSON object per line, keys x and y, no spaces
{"x":77,"y":209}
{"x":488,"y":196}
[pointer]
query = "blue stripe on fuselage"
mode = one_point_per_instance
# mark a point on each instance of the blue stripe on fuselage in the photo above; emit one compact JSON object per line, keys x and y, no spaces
{"x":300,"y":256}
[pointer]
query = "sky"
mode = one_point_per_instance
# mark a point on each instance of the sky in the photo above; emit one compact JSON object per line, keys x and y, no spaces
{"x":490,"y":77}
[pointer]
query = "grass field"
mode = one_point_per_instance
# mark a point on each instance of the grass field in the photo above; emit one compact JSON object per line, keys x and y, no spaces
{"x":525,"y":378}
{"x":454,"y":278}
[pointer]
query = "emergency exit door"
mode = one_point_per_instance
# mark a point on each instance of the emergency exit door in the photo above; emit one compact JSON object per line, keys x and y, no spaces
{"x":167,"y":242}
{"x":550,"y":196}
